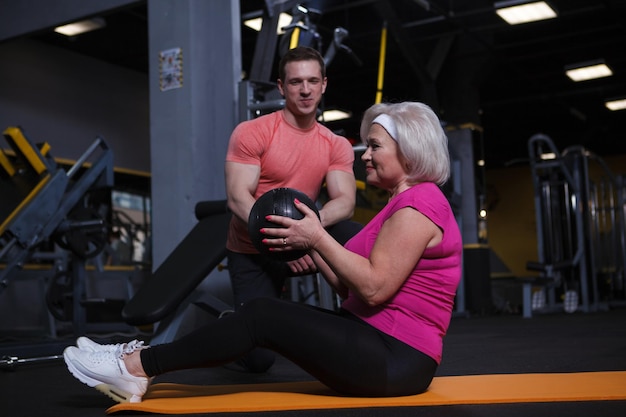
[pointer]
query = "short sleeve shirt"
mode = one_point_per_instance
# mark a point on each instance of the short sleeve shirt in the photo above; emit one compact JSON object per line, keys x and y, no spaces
{"x":288,"y":157}
{"x":419,"y":313}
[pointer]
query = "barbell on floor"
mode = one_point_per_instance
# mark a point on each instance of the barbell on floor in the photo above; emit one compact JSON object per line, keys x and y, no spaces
{"x":10,"y":362}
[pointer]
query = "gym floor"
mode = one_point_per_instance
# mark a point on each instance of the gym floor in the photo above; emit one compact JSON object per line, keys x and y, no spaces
{"x":493,"y":344}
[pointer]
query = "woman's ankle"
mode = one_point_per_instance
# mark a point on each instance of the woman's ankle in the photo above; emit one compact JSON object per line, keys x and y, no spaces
{"x":133,"y":364}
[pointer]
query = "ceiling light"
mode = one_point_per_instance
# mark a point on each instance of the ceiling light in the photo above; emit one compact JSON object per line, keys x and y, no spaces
{"x":588,"y":71}
{"x":284,"y":19}
{"x":334,"y":115}
{"x":547,"y":156}
{"x":616,"y":104}
{"x":82,"y":26}
{"x":515,"y":12}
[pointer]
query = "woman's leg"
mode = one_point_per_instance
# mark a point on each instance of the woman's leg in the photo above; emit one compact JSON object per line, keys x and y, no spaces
{"x":341,"y":351}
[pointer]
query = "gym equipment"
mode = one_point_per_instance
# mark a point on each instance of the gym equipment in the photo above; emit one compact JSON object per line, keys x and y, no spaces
{"x":9,"y":363}
{"x":300,"y":31}
{"x":46,"y":205}
{"x":40,"y":196}
{"x":381,"y":64}
{"x":87,"y":235}
{"x":580,"y":230}
{"x":258,"y":94}
{"x":278,"y":201}
{"x":560,"y":234}
{"x":164,"y":297}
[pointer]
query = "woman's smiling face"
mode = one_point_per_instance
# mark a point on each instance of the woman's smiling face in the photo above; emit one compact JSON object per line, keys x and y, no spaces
{"x":383,"y":165}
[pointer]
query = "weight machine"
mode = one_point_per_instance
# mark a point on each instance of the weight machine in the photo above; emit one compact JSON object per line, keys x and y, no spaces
{"x":50,"y":218}
{"x":580,"y":231}
{"x":258,"y":95}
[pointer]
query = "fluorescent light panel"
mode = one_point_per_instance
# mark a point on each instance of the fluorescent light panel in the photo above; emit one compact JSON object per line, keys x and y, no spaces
{"x":82,"y":26}
{"x":283,"y":20}
{"x":334,"y":115}
{"x":548,"y":156}
{"x":617,"y":104}
{"x":516,"y":12}
{"x":588,"y":72}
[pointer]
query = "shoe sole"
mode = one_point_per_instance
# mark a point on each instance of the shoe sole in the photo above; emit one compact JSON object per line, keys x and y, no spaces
{"x":110,"y":391}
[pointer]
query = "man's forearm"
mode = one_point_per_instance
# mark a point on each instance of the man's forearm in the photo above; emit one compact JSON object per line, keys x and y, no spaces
{"x":335,"y":210}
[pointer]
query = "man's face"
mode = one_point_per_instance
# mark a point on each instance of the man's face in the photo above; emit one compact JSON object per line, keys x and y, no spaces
{"x":303,"y":87}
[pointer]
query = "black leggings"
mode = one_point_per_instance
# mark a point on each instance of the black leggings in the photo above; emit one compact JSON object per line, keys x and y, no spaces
{"x":338,"y":349}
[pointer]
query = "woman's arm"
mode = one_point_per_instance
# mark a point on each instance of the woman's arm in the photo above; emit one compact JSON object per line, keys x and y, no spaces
{"x":398,"y":247}
{"x":329,"y":275}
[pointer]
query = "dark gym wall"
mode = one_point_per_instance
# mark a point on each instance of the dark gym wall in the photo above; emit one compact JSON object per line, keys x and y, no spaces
{"x":20,"y":17}
{"x":67,"y":100}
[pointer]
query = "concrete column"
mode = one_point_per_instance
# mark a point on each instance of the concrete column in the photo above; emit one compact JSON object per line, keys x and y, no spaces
{"x":193,"y":109}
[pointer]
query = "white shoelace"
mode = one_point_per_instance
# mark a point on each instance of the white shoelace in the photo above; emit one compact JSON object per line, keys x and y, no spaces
{"x":115,"y":352}
{"x":128,"y":348}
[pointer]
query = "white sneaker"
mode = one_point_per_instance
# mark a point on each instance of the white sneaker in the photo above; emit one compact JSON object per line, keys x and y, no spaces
{"x":105,"y":370}
{"x":85,"y":343}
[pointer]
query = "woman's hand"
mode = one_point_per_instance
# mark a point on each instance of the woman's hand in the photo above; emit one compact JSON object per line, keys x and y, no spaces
{"x":293,"y":234}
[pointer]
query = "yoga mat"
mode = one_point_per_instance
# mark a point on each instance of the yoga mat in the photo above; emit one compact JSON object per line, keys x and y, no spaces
{"x":446,"y":390}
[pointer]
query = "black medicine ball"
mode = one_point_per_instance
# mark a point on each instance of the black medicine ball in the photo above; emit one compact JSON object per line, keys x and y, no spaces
{"x":278,"y":201}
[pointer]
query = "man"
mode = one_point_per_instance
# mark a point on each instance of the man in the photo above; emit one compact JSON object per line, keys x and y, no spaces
{"x":287,"y":148}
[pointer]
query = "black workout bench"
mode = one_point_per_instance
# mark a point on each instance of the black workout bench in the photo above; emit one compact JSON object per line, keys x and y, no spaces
{"x":164,"y":296}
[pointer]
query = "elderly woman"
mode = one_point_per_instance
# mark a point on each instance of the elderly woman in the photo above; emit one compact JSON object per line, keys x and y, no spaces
{"x":398,"y":278}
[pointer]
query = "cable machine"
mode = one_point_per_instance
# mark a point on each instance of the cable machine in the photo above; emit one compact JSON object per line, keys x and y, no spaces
{"x":580,"y":230}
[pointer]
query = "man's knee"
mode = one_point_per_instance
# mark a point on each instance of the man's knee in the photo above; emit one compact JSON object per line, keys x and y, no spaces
{"x":257,"y":307}
{"x":258,"y":361}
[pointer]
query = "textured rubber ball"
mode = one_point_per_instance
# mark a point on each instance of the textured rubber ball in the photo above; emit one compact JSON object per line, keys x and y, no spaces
{"x":278,"y":201}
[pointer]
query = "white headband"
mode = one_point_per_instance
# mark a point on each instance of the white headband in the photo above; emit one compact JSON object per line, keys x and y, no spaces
{"x":388,"y":124}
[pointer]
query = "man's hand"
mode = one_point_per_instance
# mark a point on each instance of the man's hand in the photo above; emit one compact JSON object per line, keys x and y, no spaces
{"x":302,"y":266}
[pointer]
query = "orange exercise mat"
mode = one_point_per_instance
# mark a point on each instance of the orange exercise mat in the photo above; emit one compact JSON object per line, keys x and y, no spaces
{"x":446,"y":390}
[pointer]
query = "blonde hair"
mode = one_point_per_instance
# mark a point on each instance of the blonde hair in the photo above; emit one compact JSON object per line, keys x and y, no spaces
{"x":421,"y":139}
